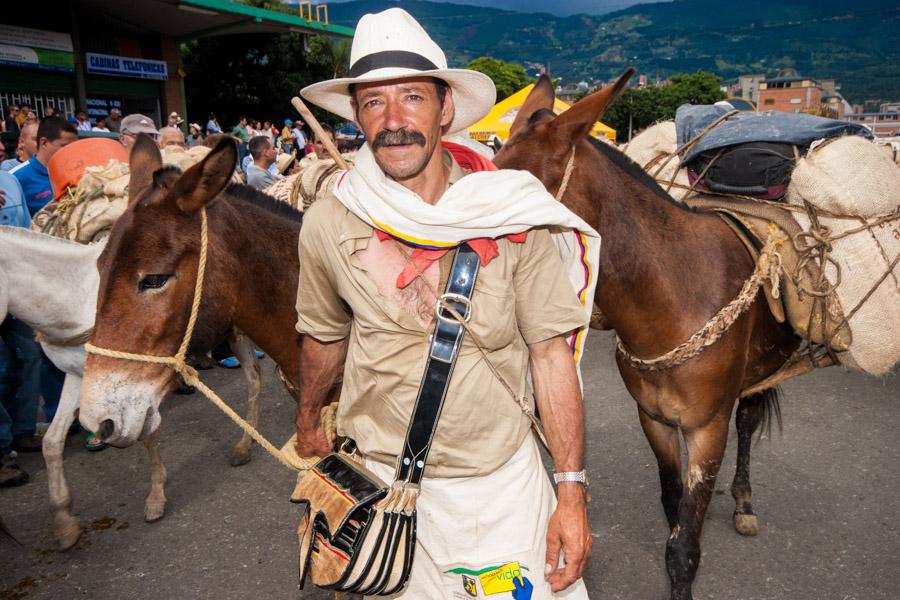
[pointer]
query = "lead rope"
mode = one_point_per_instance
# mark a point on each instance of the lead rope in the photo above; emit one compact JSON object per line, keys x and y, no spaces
{"x":190,"y":375}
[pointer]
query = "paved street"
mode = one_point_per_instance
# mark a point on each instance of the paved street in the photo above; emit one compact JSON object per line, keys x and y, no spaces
{"x":826,"y":491}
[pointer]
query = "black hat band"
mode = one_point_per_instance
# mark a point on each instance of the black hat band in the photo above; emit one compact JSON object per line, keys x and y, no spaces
{"x":391,"y":58}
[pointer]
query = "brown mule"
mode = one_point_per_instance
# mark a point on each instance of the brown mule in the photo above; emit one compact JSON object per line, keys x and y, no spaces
{"x":664,"y":271}
{"x":147,"y":276}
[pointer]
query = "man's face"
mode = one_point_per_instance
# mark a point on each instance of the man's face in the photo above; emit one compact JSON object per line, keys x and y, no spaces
{"x":403,"y":121}
{"x":81,"y":117}
{"x":171,"y":137}
{"x":50,"y":148}
{"x":319,"y":146}
{"x":243,"y":122}
{"x":27,"y":142}
{"x":173,"y":121}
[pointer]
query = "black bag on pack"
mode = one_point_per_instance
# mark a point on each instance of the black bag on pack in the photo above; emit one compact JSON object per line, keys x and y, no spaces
{"x":759,"y":169}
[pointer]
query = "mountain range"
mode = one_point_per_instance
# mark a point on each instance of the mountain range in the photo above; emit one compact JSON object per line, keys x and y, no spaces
{"x":854,"y":43}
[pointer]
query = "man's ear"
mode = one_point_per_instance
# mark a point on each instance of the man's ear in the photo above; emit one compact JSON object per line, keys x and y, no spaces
{"x":448,"y":111}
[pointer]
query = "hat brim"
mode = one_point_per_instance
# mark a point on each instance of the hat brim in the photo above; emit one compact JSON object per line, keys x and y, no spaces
{"x":474,"y":93}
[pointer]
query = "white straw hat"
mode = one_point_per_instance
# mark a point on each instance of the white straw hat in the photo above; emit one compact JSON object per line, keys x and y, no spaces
{"x":392,"y":45}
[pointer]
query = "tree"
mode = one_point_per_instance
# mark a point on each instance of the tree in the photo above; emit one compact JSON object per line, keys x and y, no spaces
{"x":508,"y":77}
{"x":254,"y":75}
{"x":642,"y":107}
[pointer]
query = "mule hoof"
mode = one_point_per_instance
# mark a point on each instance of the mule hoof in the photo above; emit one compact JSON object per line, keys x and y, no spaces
{"x":154,"y":511}
{"x":746,"y":524}
{"x":68,"y":534}
{"x":239,"y":457}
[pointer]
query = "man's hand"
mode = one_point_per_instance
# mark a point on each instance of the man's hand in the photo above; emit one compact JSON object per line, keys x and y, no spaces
{"x":570,"y":532}
{"x":313,"y":441}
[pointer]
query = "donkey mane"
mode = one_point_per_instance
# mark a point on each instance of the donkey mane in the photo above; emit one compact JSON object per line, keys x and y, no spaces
{"x":246,"y":193}
{"x":634,"y":170}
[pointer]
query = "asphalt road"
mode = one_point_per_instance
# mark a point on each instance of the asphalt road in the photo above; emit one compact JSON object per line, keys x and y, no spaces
{"x":826,"y":491}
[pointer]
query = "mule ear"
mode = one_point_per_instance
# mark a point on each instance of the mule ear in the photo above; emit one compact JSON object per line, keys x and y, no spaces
{"x":576,"y":122}
{"x":205,"y":180}
{"x":541,"y":96}
{"x":143,"y":161}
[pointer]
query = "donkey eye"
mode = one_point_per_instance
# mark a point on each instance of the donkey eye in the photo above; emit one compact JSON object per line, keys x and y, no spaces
{"x":152,"y":282}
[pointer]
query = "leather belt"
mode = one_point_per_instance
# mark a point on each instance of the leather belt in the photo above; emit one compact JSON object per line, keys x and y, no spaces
{"x":446,"y":342}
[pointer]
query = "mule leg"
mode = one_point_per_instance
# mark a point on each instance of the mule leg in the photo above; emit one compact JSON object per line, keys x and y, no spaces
{"x":750,"y":414}
{"x":65,"y":525}
{"x":705,"y":447}
{"x":155,"y":504}
{"x":243,"y":350}
{"x":666,"y":446}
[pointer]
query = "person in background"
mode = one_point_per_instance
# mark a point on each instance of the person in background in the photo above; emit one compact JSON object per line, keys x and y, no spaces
{"x":16,"y":410}
{"x":195,"y":136}
{"x":240,"y":133}
{"x":299,"y":138}
{"x":84,"y":124}
{"x":212,"y":125}
{"x":25,"y":149}
{"x":24,"y":109}
{"x":268,"y":131}
{"x":133,"y":125}
{"x":31,"y":117}
{"x":174,"y":120}
{"x":319,"y":151}
{"x":100,"y":125}
{"x":287,"y":139}
{"x":263,"y":153}
{"x":171,"y":136}
{"x":52,"y":134}
{"x":10,"y":123}
{"x":114,"y":120}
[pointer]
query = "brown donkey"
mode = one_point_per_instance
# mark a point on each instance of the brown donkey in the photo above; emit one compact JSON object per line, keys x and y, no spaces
{"x":147,"y":276}
{"x":664,"y":271}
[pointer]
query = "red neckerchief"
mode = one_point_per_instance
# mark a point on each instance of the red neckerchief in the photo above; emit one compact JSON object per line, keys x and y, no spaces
{"x":485,"y":248}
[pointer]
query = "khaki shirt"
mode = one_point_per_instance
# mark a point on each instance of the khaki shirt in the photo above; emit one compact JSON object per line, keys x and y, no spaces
{"x":521,"y":297}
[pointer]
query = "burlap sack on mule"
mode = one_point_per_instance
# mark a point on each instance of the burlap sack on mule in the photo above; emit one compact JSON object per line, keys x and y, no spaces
{"x":852,"y":176}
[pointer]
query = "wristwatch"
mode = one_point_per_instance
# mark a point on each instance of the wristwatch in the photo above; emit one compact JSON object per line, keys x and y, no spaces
{"x":571,"y":477}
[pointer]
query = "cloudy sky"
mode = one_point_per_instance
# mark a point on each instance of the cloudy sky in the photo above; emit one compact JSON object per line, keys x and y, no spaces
{"x":556,"y":7}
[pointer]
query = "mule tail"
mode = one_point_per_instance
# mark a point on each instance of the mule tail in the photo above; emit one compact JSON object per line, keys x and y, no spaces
{"x":769,"y":411}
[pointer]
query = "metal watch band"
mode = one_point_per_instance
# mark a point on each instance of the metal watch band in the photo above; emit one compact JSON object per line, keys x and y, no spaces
{"x":571,"y":477}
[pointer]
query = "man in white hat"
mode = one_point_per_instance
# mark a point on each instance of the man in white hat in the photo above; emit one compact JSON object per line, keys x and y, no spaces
{"x":374,"y":254}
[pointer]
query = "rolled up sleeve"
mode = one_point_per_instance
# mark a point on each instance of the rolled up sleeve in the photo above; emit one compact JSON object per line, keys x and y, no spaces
{"x":321,"y":313}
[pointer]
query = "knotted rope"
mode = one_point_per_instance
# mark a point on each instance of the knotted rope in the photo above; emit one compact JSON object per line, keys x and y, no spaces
{"x":190,"y":375}
{"x":768,"y":268}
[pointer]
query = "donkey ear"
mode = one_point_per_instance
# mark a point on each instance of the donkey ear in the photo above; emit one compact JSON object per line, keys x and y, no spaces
{"x":576,"y":122}
{"x":205,"y":180}
{"x":541,"y":96}
{"x":142,"y":163}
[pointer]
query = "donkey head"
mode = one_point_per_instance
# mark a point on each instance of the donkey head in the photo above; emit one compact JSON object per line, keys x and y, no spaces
{"x":147,"y":276}
{"x":541,"y":142}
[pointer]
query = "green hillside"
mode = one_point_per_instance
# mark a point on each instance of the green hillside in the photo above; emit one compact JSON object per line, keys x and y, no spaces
{"x":855,"y":43}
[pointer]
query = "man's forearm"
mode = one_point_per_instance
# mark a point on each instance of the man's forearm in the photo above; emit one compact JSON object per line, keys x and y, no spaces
{"x":320,"y":364}
{"x":558,"y":398}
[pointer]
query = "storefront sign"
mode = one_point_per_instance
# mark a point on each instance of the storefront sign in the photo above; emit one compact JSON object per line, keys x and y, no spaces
{"x":123,"y":66}
{"x":100,"y":107}
{"x":36,"y":49}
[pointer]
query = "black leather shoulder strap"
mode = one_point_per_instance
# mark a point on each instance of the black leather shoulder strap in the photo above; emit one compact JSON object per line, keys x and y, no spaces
{"x":445,"y":344}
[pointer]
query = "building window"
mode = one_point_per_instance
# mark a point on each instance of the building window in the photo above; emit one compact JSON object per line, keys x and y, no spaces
{"x":796,"y":101}
{"x":769,"y":101}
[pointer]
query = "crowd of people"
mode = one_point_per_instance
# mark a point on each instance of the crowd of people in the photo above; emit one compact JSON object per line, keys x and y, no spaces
{"x":27,"y":376}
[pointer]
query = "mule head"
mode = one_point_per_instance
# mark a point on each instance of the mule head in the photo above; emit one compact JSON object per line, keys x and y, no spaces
{"x":541,"y":142}
{"x":148,"y":272}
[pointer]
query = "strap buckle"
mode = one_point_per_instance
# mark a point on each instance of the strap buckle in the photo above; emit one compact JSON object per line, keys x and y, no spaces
{"x":460,"y":299}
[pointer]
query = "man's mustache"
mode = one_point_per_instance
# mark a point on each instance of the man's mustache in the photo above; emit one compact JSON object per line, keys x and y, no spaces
{"x":396,"y":138}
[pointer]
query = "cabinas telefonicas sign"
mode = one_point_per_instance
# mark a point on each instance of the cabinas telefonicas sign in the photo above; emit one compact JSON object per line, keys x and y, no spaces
{"x":123,"y":66}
